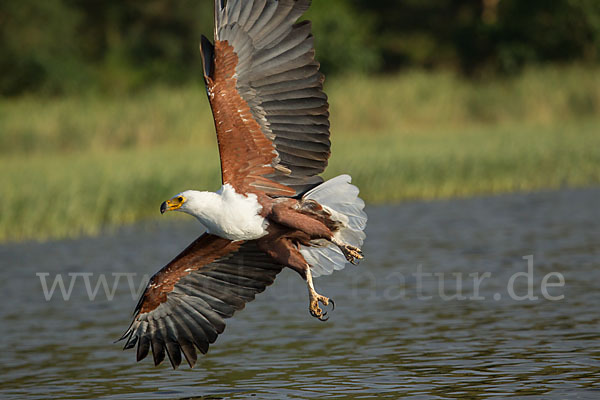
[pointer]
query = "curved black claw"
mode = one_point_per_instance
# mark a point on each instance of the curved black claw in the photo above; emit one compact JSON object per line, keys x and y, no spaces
{"x":322,"y":317}
{"x":319,"y":317}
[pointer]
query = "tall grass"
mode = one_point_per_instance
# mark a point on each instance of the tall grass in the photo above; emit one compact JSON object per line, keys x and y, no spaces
{"x":421,"y":101}
{"x":401,"y":104}
{"x":73,"y":166}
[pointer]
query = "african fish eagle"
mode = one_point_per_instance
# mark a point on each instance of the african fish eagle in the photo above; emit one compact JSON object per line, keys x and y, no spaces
{"x":273,"y":210}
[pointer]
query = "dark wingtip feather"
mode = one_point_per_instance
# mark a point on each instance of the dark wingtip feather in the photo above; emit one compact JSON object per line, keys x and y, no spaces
{"x":143,"y":348}
{"x":130,"y":342}
{"x":174,"y":354}
{"x":127,"y":334}
{"x":189,"y":353}
{"x":158,"y":351}
{"x":207,"y":50}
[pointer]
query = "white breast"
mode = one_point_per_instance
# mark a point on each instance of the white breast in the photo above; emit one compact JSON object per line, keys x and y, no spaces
{"x":236,"y":217}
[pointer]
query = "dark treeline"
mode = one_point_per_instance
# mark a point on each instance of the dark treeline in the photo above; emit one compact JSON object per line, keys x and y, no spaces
{"x":63,"y":46}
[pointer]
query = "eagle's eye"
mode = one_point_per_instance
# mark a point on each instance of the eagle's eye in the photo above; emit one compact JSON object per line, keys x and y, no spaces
{"x":180,"y":199}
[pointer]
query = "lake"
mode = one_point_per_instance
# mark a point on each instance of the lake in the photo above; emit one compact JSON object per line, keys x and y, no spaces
{"x":467,"y":298}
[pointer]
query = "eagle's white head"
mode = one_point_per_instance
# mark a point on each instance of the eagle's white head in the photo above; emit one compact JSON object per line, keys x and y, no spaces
{"x":225,"y":213}
{"x":192,"y":202}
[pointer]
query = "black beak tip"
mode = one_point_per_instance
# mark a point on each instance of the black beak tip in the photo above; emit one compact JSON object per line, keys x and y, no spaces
{"x":163,"y":207}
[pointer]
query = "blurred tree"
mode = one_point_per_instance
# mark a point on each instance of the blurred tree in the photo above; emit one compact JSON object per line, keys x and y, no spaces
{"x":344,"y":40}
{"x":56,"y":46}
{"x":545,"y":31}
{"x":141,"y":42}
{"x":495,"y":36}
{"x":39,"y":47}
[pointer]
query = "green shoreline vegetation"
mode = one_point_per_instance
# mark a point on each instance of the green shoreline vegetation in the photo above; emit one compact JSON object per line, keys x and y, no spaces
{"x":78,"y":164}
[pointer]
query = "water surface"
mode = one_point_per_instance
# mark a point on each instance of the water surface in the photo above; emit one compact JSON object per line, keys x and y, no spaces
{"x":409,"y":321}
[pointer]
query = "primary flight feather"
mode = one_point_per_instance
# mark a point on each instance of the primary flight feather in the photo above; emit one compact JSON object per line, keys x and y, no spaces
{"x":273,"y":210}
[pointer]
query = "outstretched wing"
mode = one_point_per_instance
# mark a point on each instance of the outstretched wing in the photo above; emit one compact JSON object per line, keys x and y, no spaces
{"x":266,"y":94}
{"x":184,"y":305}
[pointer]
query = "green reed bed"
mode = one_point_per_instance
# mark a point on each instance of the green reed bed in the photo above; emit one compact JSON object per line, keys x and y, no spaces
{"x":74,"y":166}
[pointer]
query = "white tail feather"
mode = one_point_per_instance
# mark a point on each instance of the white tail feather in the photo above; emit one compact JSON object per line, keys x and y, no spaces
{"x":341,"y":199}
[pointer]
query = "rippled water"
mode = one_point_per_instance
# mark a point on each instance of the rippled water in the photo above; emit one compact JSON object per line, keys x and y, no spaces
{"x":397,"y":331}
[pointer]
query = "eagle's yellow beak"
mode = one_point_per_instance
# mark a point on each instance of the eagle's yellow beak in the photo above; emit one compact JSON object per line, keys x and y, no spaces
{"x":172,"y":204}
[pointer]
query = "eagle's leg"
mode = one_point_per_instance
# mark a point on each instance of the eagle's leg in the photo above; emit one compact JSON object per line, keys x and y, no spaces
{"x":283,"y":250}
{"x":315,"y":298}
{"x":352,"y":253}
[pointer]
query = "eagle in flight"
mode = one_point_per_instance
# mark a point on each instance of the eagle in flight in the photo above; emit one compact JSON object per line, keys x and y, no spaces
{"x":273,"y":209}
